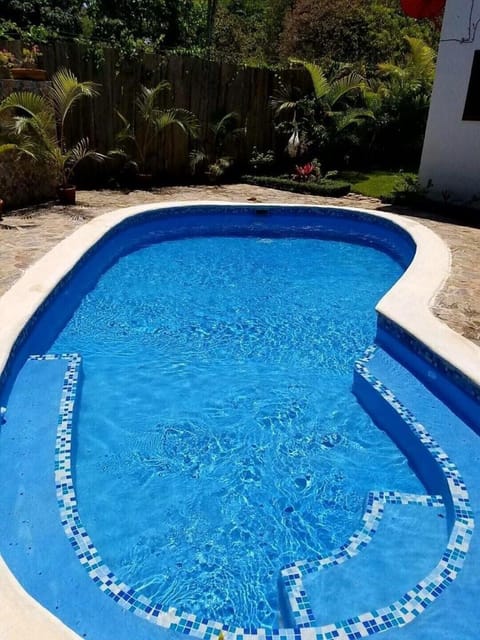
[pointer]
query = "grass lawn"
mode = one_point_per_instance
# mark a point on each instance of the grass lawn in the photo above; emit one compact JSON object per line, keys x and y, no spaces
{"x":374,"y":184}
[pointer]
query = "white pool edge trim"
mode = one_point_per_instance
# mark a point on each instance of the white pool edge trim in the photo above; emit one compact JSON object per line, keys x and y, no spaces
{"x":407,"y":304}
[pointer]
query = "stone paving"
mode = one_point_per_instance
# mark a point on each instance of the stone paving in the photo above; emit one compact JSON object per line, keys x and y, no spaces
{"x":27,"y":234}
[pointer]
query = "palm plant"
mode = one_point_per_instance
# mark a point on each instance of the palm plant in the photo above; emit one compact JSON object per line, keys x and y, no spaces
{"x":400,"y":99}
{"x":213,"y":157}
{"x":34,"y":124}
{"x":319,"y":120}
{"x":418,"y":71}
{"x":138,"y":139}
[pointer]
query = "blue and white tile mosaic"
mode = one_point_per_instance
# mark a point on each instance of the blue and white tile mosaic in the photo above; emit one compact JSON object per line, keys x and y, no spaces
{"x":399,"y":613}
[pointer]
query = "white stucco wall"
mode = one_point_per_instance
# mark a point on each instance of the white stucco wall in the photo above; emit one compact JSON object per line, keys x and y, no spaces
{"x":451,"y":152}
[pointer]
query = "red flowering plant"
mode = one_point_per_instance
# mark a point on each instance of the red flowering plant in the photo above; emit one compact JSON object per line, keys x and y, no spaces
{"x":308,"y":172}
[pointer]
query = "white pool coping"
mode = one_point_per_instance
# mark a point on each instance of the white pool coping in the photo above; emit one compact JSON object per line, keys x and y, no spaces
{"x":408,"y":304}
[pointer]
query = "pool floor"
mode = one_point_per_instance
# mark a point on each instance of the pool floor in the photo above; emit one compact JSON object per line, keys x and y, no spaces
{"x":413,"y":535}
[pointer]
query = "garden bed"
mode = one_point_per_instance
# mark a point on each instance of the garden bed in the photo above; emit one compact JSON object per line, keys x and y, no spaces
{"x":330,"y":188}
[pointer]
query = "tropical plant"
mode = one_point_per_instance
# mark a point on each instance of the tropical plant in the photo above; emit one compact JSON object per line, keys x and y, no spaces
{"x":34,"y":124}
{"x":418,"y":69}
{"x":317,"y":122}
{"x":213,"y":158}
{"x":400,"y":98}
{"x":138,"y":140}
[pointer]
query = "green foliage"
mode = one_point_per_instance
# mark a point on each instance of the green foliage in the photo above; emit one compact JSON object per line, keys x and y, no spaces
{"x":400,"y":99}
{"x":409,"y":191}
{"x":138,"y":139}
{"x":325,"y":187}
{"x":39,"y":20}
{"x":238,"y":32}
{"x":363,"y":32}
{"x":215,"y":157}
{"x":34,"y":125}
{"x":133,"y":23}
{"x":321,"y":124}
{"x":262,"y":161}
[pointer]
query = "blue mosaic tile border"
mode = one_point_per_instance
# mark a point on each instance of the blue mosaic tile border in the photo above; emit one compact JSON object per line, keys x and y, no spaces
{"x":399,"y":613}
{"x":292,"y":574}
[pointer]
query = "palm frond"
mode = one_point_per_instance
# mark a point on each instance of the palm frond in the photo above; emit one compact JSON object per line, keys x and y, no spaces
{"x":10,"y":146}
{"x":181,"y":118}
{"x":284,"y":99}
{"x":147,"y":98}
{"x":197,"y":157}
{"x":77,"y":153}
{"x":66,"y":90}
{"x":126,"y":133}
{"x":339,"y":88}
{"x":226,"y":124}
{"x":320,"y":83}
{"x":421,"y":58}
{"x":27,"y":102}
{"x":352,"y":117}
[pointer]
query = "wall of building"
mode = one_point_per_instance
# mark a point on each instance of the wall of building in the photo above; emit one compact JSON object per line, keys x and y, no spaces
{"x":451,"y":153}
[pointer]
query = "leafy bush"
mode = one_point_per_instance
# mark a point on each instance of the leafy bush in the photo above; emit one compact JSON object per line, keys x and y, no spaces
{"x":325,"y":187}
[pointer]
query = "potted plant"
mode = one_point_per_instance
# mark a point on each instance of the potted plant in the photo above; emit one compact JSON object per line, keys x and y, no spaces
{"x":27,"y":68}
{"x":7,"y":61}
{"x":138,"y":140}
{"x":35,"y":125}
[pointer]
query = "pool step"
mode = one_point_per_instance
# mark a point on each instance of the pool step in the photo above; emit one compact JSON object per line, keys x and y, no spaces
{"x":32,"y":538}
{"x":416,"y":551}
{"x":455,"y":614}
{"x":375,"y":567}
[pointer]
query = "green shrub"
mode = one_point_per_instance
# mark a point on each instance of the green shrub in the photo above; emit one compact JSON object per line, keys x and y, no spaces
{"x":331,"y":188}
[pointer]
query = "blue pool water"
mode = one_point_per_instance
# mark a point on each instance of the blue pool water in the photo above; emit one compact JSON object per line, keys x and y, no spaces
{"x":218,"y":438}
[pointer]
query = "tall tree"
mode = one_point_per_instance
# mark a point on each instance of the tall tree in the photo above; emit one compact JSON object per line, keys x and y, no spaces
{"x":60,"y":17}
{"x":356,"y":31}
{"x":156,"y":22}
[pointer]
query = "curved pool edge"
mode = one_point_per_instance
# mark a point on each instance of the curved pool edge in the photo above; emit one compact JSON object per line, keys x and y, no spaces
{"x":419,"y":285}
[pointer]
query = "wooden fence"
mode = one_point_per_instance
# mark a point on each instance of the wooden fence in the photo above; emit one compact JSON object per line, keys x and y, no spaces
{"x":208,"y":89}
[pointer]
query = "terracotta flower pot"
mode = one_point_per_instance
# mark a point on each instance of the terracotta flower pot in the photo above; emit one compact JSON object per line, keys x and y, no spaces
{"x":144,"y":181}
{"x":20,"y":73}
{"x":67,"y":194}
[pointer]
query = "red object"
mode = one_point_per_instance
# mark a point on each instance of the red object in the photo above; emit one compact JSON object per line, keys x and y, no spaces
{"x":423,"y":8}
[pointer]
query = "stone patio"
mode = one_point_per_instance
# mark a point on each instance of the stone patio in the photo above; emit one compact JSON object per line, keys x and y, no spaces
{"x":27,"y":234}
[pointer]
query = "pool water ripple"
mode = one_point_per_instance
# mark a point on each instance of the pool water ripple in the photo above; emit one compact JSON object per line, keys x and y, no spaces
{"x":218,"y":439}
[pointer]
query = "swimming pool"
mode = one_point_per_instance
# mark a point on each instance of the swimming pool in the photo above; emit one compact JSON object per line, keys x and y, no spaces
{"x":269,"y":223}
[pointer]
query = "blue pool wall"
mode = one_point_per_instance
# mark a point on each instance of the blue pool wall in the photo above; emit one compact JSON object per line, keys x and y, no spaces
{"x":445,"y":381}
{"x":420,"y":458}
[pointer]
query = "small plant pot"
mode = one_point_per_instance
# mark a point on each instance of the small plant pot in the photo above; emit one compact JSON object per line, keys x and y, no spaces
{"x":20,"y":73}
{"x":67,"y":194}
